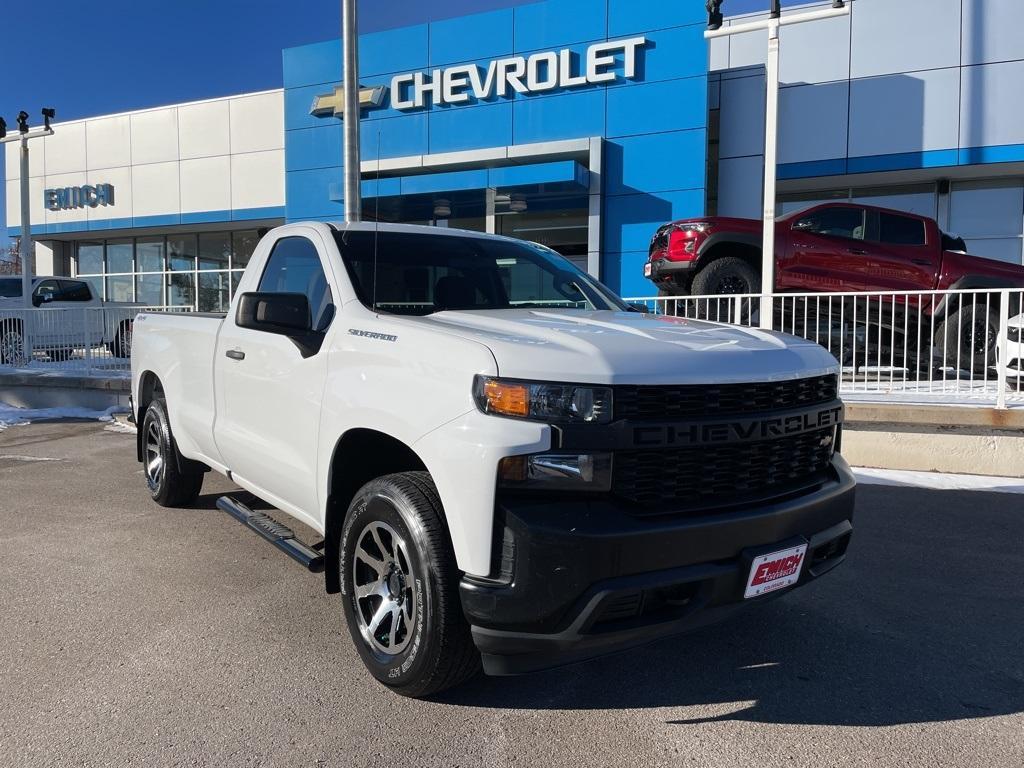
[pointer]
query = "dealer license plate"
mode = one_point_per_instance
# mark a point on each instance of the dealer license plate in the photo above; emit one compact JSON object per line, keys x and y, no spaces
{"x":774,"y":571}
{"x":647,"y":269}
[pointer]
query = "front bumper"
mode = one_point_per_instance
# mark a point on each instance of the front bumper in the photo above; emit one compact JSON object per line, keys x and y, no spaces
{"x":671,"y":272}
{"x":582,"y":578}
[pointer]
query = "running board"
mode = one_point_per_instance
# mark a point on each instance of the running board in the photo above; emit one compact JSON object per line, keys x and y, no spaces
{"x":281,"y":536}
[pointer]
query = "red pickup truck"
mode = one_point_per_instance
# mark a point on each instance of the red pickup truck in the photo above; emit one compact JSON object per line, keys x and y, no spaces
{"x":838,"y":247}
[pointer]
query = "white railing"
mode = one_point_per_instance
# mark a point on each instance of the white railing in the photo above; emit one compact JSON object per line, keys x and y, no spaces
{"x":925,"y":346}
{"x":91,"y":341}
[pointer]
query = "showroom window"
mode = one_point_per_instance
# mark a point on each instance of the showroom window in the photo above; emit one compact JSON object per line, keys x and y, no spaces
{"x":189,"y":271}
{"x":989,"y":216}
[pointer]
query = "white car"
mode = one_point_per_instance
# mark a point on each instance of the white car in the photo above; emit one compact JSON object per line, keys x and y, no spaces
{"x":66,"y":315}
{"x":1012,"y":369}
{"x":507,"y":466}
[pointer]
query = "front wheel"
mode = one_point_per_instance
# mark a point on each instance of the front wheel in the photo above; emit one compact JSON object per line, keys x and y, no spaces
{"x":399,"y":584}
{"x":169,"y":482}
{"x":729,"y":275}
{"x":121,"y":346}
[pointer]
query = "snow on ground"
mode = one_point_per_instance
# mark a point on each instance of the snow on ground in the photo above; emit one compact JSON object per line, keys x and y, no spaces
{"x":12,"y":417}
{"x":939,"y":481}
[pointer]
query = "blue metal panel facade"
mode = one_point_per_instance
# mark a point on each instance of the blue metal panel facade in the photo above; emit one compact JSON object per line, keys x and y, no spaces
{"x":654,"y":125}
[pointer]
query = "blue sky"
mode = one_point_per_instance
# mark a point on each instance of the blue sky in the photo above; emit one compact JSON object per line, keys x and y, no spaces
{"x":89,"y":59}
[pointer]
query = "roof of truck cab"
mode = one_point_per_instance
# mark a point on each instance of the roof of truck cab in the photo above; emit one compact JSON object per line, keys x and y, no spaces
{"x":372,"y":226}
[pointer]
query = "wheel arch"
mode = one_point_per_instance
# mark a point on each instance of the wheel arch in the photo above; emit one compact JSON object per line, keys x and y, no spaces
{"x":149,"y":386}
{"x":359,"y":455}
{"x":742,"y":245}
{"x":974,"y":281}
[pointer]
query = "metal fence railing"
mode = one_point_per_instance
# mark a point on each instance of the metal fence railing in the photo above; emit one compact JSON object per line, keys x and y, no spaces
{"x":86,"y":341}
{"x":929,"y":346}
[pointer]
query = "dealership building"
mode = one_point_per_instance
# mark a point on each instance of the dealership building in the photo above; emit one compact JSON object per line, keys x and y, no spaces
{"x":581,"y":124}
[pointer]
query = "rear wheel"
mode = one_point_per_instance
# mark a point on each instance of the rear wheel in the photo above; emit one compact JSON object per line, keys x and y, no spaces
{"x":967,"y":337}
{"x":121,"y":346}
{"x":12,"y":343}
{"x":399,"y":584}
{"x":170,"y":483}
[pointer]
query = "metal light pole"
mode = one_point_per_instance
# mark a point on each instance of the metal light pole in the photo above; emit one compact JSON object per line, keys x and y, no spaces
{"x":26,"y":247}
{"x":771,"y":125}
{"x":350,"y":82}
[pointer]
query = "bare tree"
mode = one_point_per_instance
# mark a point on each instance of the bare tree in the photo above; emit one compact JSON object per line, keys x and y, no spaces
{"x":10,"y":259}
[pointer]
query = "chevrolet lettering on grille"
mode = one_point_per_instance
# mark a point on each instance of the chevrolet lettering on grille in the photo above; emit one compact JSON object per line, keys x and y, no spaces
{"x":735,"y":430}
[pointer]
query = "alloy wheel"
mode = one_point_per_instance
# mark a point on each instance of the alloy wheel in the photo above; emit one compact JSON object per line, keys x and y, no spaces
{"x":12,"y":347}
{"x":154,"y":456}
{"x":383,"y":584}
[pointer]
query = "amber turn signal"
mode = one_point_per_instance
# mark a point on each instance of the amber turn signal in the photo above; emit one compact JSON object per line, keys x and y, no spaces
{"x":506,"y":398}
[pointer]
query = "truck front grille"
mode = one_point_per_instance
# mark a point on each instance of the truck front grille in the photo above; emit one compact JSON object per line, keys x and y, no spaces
{"x":704,"y":478}
{"x":701,"y":401}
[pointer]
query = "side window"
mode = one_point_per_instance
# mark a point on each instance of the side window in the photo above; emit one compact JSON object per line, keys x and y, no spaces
{"x":834,"y":222}
{"x":73,"y":290}
{"x":48,"y":290}
{"x":294,"y":267}
{"x":900,"y":230}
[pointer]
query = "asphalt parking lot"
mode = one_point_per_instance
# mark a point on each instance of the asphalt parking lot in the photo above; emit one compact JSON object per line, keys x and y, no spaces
{"x":133,"y":635}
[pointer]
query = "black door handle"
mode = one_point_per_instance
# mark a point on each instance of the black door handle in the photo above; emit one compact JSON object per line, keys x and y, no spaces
{"x":857,"y":251}
{"x":235,"y":354}
{"x":922,"y":262}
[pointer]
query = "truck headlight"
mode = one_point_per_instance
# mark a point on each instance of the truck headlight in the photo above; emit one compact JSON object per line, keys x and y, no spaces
{"x":557,"y":472}
{"x":541,"y":401}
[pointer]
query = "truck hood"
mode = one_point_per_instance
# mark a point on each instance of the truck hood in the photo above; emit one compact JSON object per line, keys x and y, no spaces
{"x":604,"y":347}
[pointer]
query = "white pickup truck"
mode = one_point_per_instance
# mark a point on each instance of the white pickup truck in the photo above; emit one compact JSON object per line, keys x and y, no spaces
{"x":507,"y":465}
{"x":66,"y":315}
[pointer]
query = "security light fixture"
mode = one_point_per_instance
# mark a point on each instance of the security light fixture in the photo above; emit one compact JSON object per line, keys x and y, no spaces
{"x":3,"y":128}
{"x":714,"y":14}
{"x":48,"y":114}
{"x":838,"y":4}
{"x":23,"y":122}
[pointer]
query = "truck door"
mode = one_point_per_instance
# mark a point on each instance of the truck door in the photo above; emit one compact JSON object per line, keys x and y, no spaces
{"x":268,"y":394}
{"x":827,"y":250}
{"x":902,"y":259}
{"x":49,"y":327}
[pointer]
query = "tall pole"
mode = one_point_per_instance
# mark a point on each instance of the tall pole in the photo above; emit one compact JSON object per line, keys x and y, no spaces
{"x":771,"y":148}
{"x":26,"y":247}
{"x":771,"y":125}
{"x":350,"y":82}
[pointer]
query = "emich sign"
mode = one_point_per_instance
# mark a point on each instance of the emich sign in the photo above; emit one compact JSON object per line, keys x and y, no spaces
{"x":501,"y":78}
{"x":67,"y":198}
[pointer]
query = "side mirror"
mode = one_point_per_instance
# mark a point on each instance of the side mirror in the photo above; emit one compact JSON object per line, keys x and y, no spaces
{"x":639,"y":306}
{"x":284,"y":314}
{"x":37,"y":300}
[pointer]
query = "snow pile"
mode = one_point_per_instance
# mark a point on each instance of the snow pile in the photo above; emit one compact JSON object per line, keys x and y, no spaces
{"x":12,"y":417}
{"x":938,"y":481}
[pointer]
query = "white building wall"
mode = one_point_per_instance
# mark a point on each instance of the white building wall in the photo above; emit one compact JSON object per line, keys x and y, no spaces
{"x":217,"y":158}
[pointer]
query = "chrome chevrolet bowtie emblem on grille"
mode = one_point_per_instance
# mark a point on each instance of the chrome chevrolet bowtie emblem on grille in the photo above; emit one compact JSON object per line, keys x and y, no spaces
{"x":334,"y":103}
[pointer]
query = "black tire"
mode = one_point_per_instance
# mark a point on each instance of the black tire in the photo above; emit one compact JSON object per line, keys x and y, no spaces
{"x":725,"y":276}
{"x":168,"y":484}
{"x":422,"y":645}
{"x":12,"y":343}
{"x":121,"y":346}
{"x":968,"y":334}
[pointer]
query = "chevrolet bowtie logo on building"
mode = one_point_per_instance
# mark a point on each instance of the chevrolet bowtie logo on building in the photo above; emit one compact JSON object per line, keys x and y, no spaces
{"x":334,"y":103}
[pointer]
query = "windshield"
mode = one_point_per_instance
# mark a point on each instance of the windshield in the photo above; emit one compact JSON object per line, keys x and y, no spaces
{"x":10,"y":288}
{"x":418,"y":274}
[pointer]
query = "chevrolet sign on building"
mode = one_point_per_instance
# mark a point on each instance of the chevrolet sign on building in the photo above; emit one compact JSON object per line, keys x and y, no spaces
{"x":501,"y":78}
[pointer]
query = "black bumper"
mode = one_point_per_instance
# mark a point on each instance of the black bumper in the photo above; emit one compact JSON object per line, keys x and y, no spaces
{"x":665,"y":271}
{"x":585,"y":578}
